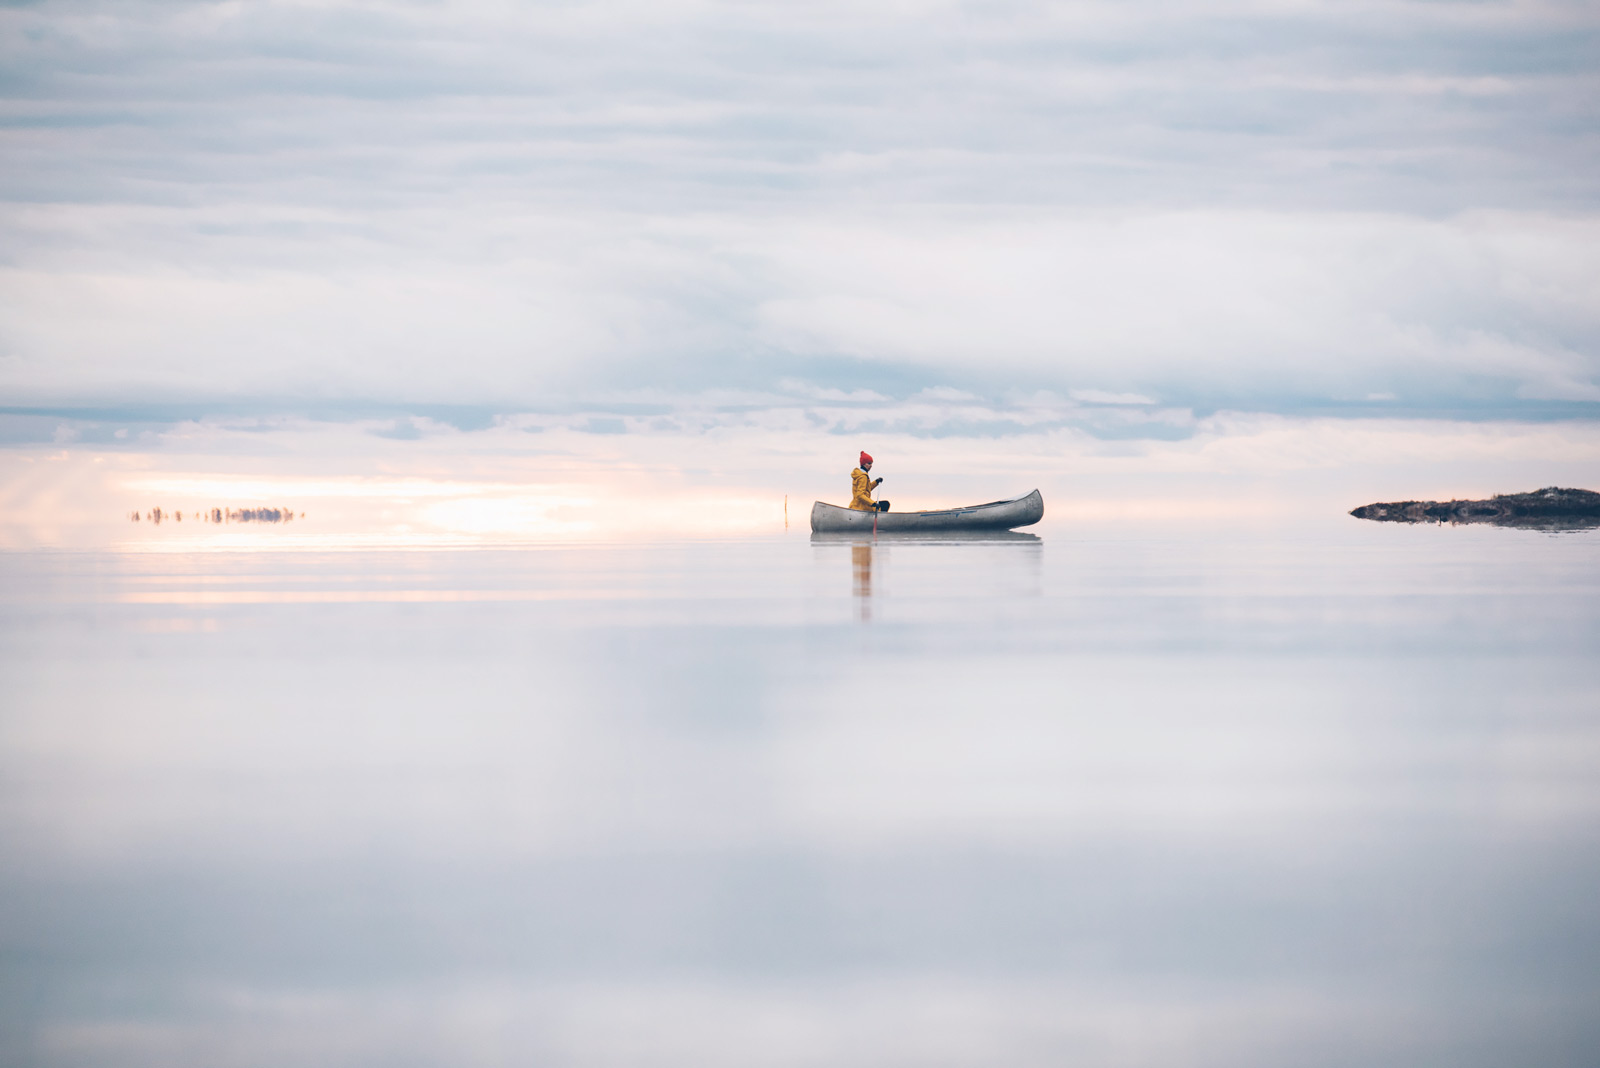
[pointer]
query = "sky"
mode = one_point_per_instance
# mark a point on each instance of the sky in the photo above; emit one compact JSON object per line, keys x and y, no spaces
{"x":1125,"y":215}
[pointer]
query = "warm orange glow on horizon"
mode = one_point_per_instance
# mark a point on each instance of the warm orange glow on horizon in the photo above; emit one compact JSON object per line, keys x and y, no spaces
{"x":351,"y":491}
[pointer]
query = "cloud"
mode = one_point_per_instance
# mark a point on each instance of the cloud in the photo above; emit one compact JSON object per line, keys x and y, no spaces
{"x":1207,"y":308}
{"x":1240,"y":204}
{"x":1100,"y":396}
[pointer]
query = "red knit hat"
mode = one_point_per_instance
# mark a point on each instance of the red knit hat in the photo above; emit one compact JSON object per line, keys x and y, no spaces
{"x":865,"y":459}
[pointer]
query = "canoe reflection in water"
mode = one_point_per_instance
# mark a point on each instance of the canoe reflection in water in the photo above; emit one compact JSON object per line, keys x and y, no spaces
{"x":945,"y":572}
{"x":861,"y":571}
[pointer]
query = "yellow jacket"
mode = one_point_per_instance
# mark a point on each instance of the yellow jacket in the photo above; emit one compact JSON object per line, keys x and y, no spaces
{"x":861,"y":491}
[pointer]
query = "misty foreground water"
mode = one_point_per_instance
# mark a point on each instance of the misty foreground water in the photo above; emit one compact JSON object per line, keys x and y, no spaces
{"x":1317,"y":795}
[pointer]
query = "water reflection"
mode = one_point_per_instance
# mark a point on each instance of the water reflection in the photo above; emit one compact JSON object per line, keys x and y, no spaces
{"x":1547,"y":524}
{"x":1008,"y":561}
{"x":861,"y":570}
{"x":1329,"y":798}
{"x":934,"y":537}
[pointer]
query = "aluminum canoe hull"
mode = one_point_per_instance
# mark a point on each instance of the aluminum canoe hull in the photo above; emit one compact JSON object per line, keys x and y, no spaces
{"x":997,"y":515}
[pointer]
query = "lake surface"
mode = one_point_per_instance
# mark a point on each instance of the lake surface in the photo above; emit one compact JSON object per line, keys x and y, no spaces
{"x":1319,"y":794}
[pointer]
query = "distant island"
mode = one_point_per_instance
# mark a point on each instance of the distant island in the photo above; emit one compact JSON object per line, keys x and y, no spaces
{"x":1552,"y":508}
{"x":219,"y":515}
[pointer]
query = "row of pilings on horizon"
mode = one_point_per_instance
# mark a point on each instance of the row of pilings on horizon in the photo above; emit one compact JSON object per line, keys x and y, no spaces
{"x":217,"y":515}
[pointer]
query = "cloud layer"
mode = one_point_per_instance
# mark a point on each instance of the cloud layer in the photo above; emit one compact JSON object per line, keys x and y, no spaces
{"x":1275,"y":206}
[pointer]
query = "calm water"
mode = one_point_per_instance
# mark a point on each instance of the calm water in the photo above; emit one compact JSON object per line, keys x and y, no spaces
{"x":1322,"y":795}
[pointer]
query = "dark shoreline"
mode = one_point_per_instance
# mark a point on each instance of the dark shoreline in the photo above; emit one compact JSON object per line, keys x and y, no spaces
{"x":1552,"y":508}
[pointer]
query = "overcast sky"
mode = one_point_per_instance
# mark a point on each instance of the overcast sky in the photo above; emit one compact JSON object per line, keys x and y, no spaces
{"x":1289,"y":207}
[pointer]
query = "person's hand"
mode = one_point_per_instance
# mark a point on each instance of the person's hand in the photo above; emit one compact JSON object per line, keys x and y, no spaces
{"x":878,"y":482}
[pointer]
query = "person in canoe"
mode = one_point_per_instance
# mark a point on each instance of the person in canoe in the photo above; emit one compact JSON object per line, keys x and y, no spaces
{"x":861,"y":487}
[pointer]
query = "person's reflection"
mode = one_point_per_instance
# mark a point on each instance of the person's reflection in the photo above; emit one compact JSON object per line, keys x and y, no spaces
{"x":861,"y":569}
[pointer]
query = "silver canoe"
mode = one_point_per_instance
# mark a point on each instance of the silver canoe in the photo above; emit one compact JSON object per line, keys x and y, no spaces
{"x":996,"y":515}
